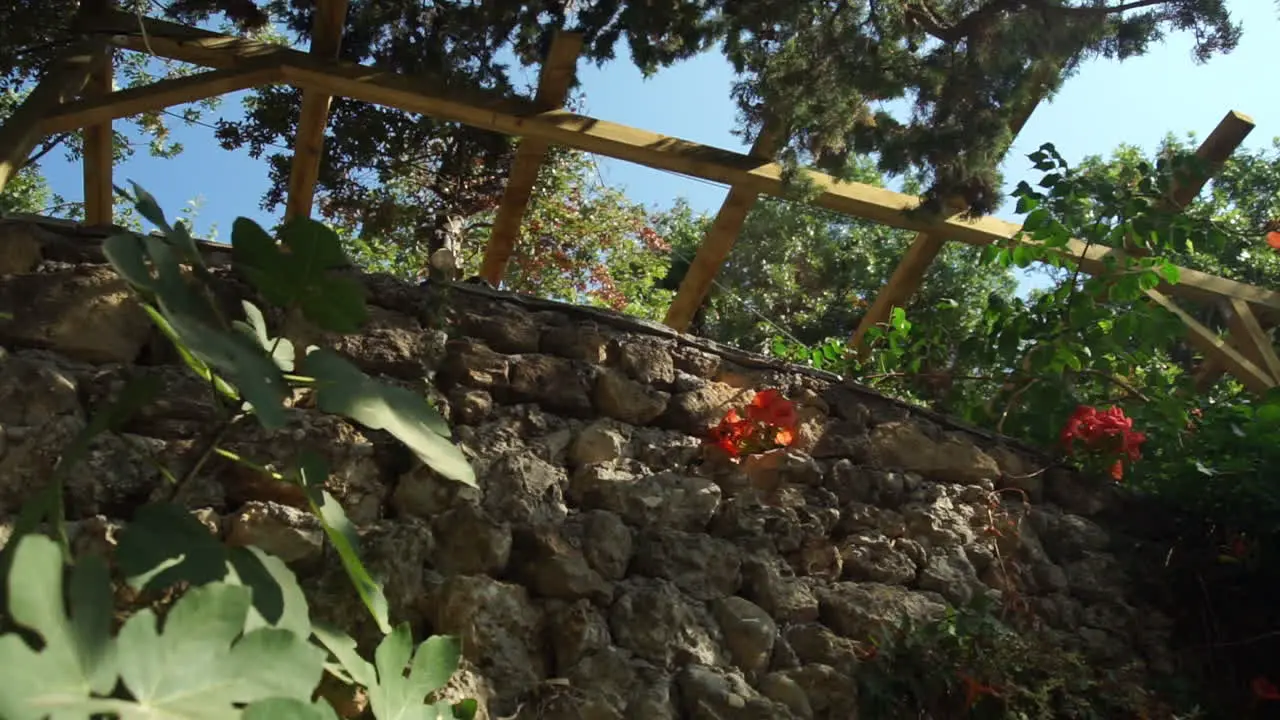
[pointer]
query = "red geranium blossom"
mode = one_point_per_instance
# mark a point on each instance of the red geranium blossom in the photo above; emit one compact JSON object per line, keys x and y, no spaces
{"x":1108,"y":432}
{"x":770,"y":422}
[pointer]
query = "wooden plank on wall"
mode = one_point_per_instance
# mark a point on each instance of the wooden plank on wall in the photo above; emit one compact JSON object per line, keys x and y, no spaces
{"x":516,"y":117}
{"x":925,"y":247}
{"x":720,"y":239}
{"x":554,"y":81}
{"x":65,"y":79}
{"x":157,"y":96}
{"x":308,"y":144}
{"x":99,"y":147}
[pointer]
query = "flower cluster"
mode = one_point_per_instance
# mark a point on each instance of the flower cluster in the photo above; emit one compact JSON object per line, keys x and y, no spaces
{"x":1108,"y":432}
{"x":767,"y":423}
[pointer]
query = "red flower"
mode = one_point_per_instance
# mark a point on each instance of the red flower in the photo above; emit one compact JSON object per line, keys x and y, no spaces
{"x":1273,"y":239}
{"x":1108,"y":432}
{"x":1264,"y":689}
{"x":769,"y":406}
{"x":770,"y":422}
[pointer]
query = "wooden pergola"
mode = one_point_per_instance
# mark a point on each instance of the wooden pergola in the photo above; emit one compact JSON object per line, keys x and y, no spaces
{"x":77,"y":93}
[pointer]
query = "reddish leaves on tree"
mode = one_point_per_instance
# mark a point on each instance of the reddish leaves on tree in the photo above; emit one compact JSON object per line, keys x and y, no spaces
{"x":769,"y":423}
{"x":1108,"y":432}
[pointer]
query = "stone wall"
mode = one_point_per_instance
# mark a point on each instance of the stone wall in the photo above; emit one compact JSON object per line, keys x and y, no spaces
{"x":609,"y":566}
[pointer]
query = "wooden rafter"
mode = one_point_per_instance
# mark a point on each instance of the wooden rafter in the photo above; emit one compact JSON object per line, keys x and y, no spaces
{"x":1208,"y":342}
{"x":99,"y":147}
{"x":519,"y":117}
{"x":719,"y":241}
{"x":750,"y":175}
{"x":158,"y":95}
{"x":20,"y":133}
{"x":308,"y":145}
{"x":1250,"y":338}
{"x":554,"y":81}
{"x":925,"y":247}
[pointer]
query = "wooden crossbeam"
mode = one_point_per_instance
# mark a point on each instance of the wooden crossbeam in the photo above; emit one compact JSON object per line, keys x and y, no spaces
{"x":1250,"y":338}
{"x":157,"y":96}
{"x":65,"y":79}
{"x":554,"y":82}
{"x":99,"y":147}
{"x":518,"y":117}
{"x":720,"y":239}
{"x":909,"y":274}
{"x":1208,"y":342}
{"x":308,"y":144}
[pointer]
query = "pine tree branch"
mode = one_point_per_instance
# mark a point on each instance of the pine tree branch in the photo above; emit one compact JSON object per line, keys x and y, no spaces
{"x":979,"y":19}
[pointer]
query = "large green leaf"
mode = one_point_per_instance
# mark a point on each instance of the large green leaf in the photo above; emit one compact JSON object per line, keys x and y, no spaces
{"x":342,"y":389}
{"x":300,"y":273}
{"x":78,"y":656}
{"x":281,"y":349}
{"x":394,"y":694}
{"x":203,"y":664}
{"x":165,"y":545}
{"x":289,"y":709}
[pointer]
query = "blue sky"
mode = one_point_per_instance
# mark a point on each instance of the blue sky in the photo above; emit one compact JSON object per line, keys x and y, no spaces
{"x":1104,"y":105}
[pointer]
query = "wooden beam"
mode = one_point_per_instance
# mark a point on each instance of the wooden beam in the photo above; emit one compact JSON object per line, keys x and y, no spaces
{"x":1253,"y":377}
{"x":1253,"y":340}
{"x":925,"y":247}
{"x":554,"y":81}
{"x":99,"y":148}
{"x":518,"y":117}
{"x":720,"y":239}
{"x":1229,"y":135}
{"x":1214,"y":152}
{"x":157,"y":96}
{"x":19,"y":134}
{"x":308,"y":144}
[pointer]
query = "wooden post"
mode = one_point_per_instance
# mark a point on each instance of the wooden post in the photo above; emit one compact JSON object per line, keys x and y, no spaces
{"x":554,"y":81}
{"x":925,"y":247}
{"x":99,"y":148}
{"x":720,"y":238}
{"x":65,"y":79}
{"x":308,"y":144}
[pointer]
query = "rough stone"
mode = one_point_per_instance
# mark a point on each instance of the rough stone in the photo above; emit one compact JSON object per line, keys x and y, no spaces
{"x":548,"y":564}
{"x":597,"y":443}
{"x":87,"y":313}
{"x":652,"y":619}
{"x":552,"y":382}
{"x":288,"y":533}
{"x":520,"y":488}
{"x":864,"y":611}
{"x":748,"y":632}
{"x":703,"y":567}
{"x":622,"y":398}
{"x":470,"y":542}
{"x":665,"y":499}
{"x":607,"y":543}
{"x":903,"y":445}
{"x":501,"y":632}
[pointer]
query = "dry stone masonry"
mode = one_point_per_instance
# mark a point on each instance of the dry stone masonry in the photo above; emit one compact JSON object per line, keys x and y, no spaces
{"x":610,"y":567}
